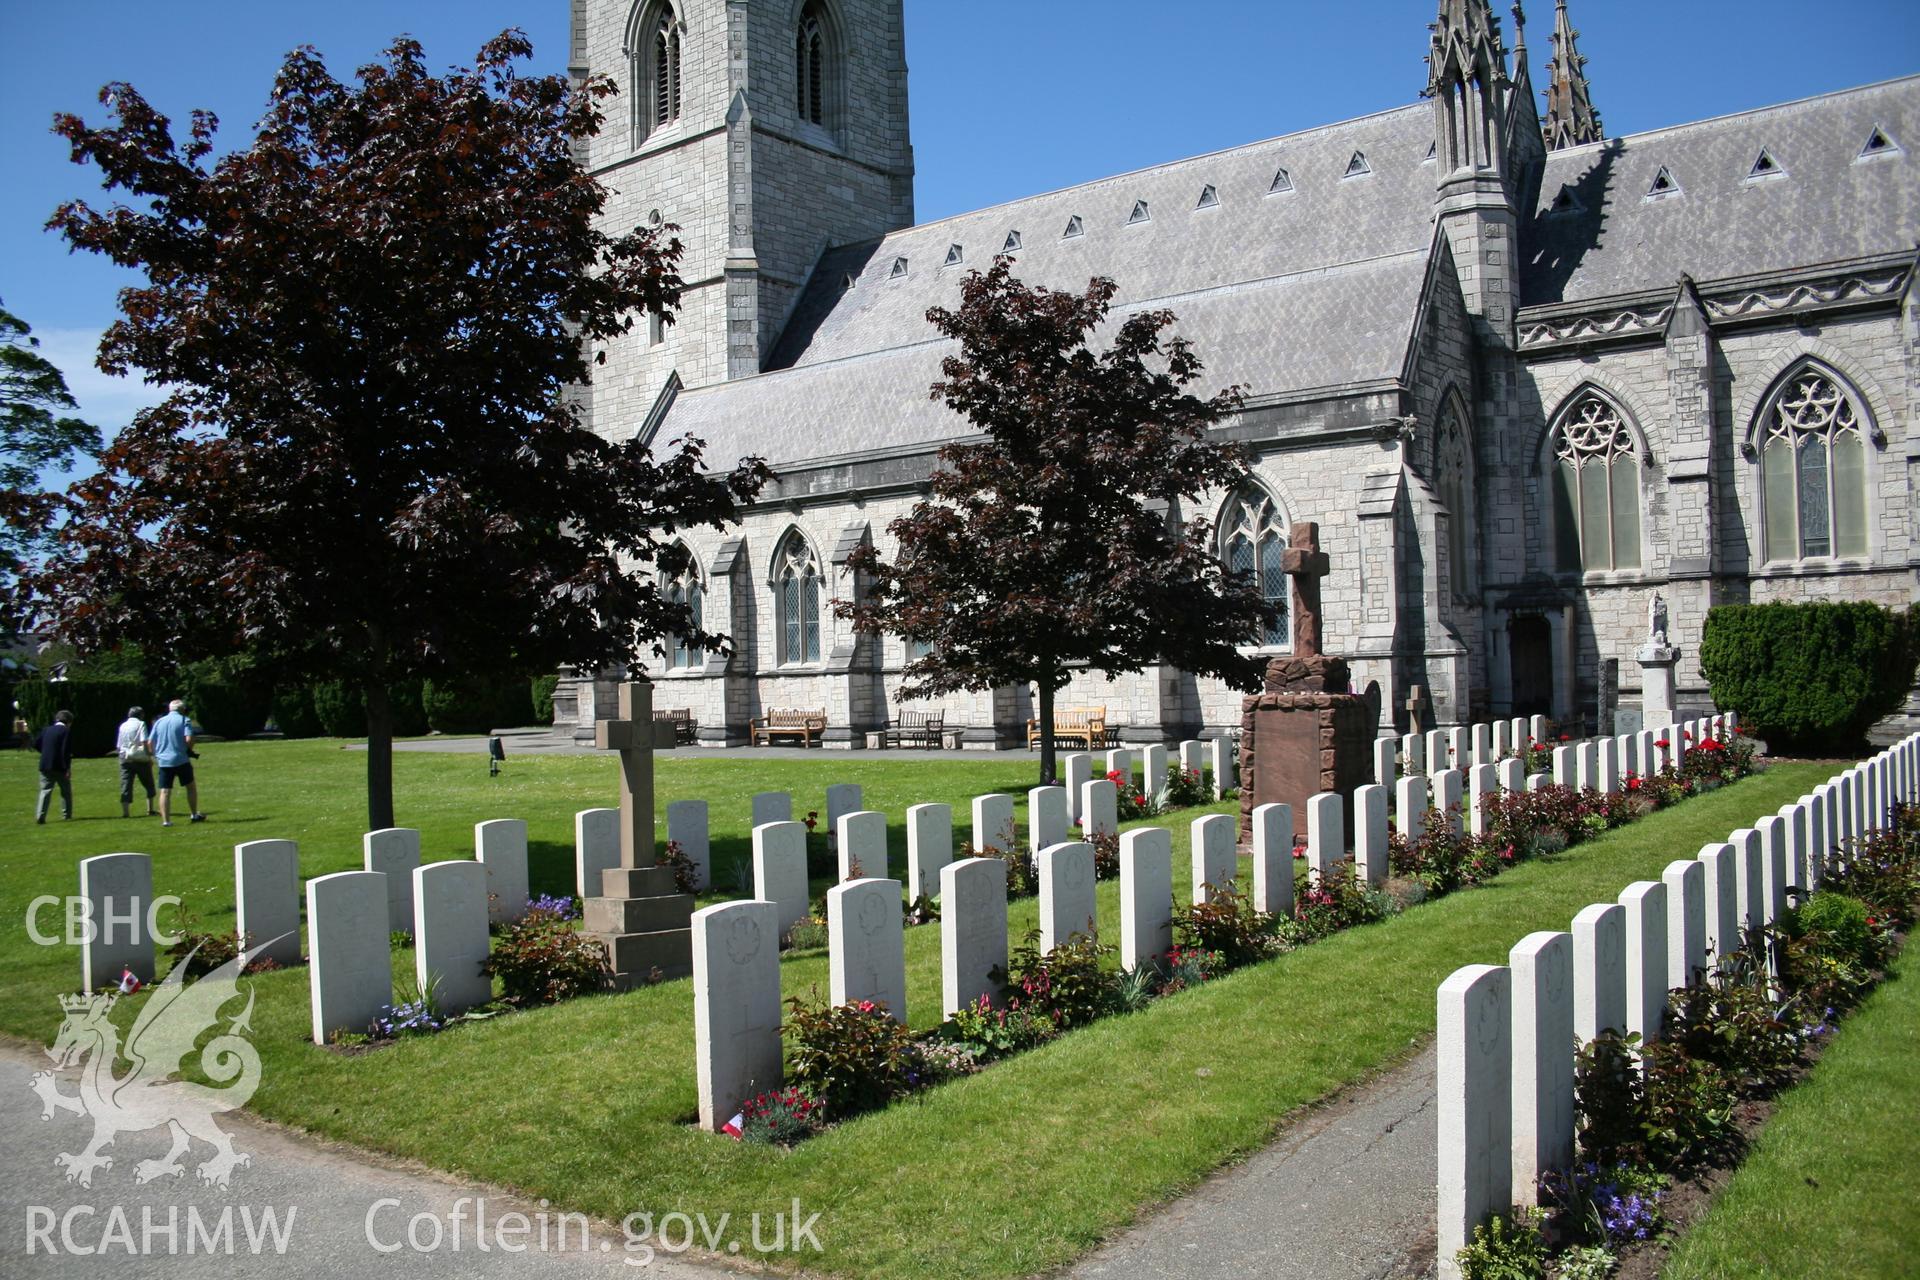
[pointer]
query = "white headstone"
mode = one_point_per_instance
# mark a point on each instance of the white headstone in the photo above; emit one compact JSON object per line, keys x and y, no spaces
{"x":1751,"y":879}
{"x":266,"y":897}
{"x":1459,"y":748}
{"x":1146,"y":896}
{"x":450,"y":933}
{"x":1686,"y":881}
{"x":973,"y":930}
{"x":1326,"y":834}
{"x":1607,"y":766}
{"x":1193,"y":756}
{"x":1773,"y":867}
{"x":867,"y":958}
{"x":1214,"y":861}
{"x":1066,"y":893}
{"x":1721,"y":885}
{"x":1099,"y":808}
{"x":1273,"y":859}
{"x":1566,"y":766}
{"x":1474,"y":1086}
{"x":349,"y":965}
{"x":501,"y":846}
{"x":1512,"y":775}
{"x":1221,"y":757}
{"x":596,"y":848}
{"x":118,"y":891}
{"x":1483,"y":789}
{"x":1386,"y":755}
{"x":395,"y":853}
{"x":1410,"y":809}
{"x":1370,"y":848}
{"x":687,"y":827}
{"x":1446,"y":799}
{"x":1079,"y":769}
{"x":772,"y":806}
{"x":780,"y":873}
{"x":1047,"y":821}
{"x":930,"y":849}
{"x":1599,"y":970}
{"x":1587,"y":768}
{"x":843,"y":798}
{"x":1542,"y":967}
{"x":1795,"y":820}
{"x":1502,"y":739}
{"x":1645,"y":904}
{"x":736,"y":1003}
{"x":1120,"y":761}
{"x":1482,"y":744}
{"x":1819,"y":839}
{"x":1153,"y":772}
{"x":1435,"y":749}
{"x":993,"y":824}
{"x":1537,"y":729}
{"x":1413,"y":754}
{"x":863,"y":845}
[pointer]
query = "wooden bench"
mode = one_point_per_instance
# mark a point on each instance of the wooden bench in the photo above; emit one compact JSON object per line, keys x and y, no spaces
{"x":917,"y":729}
{"x":685,"y":727}
{"x":1084,"y":725}
{"x":788,"y":722}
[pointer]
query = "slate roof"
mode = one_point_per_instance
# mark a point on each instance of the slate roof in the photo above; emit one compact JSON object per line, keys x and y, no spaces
{"x":1826,"y":203}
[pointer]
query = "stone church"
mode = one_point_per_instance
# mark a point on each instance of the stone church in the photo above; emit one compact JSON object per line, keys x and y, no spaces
{"x":1523,"y":375}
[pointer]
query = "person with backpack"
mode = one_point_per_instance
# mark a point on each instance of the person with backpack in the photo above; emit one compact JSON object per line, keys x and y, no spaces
{"x":56,"y":765}
{"x":136,"y":762}
{"x":171,"y":742}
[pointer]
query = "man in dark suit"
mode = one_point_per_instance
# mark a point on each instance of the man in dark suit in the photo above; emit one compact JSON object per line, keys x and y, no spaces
{"x":56,"y":765}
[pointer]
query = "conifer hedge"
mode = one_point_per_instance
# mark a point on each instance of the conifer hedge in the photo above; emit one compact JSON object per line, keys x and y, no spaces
{"x":1810,"y":678}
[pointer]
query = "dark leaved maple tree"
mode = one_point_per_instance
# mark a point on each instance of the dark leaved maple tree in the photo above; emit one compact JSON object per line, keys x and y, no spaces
{"x":1051,"y":544}
{"x":370,"y":464}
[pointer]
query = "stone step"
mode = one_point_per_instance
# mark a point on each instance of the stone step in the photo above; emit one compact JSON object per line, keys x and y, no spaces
{"x":638,"y":915}
{"x":634,"y":957}
{"x":638,"y":882}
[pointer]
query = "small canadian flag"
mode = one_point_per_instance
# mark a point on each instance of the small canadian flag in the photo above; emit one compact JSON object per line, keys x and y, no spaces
{"x":129,"y":982}
{"x":732,"y":1127}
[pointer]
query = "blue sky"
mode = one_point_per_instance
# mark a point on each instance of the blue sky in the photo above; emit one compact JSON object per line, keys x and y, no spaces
{"x":1009,"y":97}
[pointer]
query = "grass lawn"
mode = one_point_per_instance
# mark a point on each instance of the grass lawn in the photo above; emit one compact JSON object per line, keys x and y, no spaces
{"x":1821,"y":1192}
{"x":589,"y":1103}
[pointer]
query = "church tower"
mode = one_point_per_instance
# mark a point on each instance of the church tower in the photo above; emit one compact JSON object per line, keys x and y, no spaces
{"x":1467,"y":81}
{"x":1571,"y":120}
{"x":766,"y":131}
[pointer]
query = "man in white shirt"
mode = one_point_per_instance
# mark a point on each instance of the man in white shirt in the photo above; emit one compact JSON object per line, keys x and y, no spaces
{"x":136,"y":762}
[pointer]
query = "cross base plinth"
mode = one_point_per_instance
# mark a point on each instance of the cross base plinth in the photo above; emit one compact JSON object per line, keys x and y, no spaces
{"x":1296,"y":745}
{"x":644,"y":922}
{"x":1314,"y":673}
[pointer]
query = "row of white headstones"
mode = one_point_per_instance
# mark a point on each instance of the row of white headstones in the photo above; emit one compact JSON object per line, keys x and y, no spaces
{"x":736,"y":963}
{"x":1507,"y":1033}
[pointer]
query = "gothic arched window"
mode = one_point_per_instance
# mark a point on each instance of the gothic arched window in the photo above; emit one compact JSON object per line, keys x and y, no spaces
{"x":1813,"y":468}
{"x":681,"y":651}
{"x":1253,"y":539}
{"x":796,"y":596}
{"x":1596,"y":487}
{"x":655,"y":54}
{"x":1453,"y":480}
{"x":810,"y":67}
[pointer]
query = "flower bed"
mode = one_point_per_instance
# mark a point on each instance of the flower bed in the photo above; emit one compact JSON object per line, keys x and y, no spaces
{"x":1658,"y":1122}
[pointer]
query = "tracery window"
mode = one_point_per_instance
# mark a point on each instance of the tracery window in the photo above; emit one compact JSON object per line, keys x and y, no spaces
{"x":1253,"y":540}
{"x":681,"y":652}
{"x":810,"y":68}
{"x":796,"y":588}
{"x":1596,"y":487}
{"x":1813,"y":468}
{"x":656,"y":59}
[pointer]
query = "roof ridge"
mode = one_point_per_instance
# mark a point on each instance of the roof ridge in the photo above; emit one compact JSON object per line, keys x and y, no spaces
{"x":1789,"y":104}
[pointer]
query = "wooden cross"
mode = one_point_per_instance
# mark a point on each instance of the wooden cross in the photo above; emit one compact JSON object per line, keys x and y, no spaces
{"x":636,"y":735}
{"x":1416,"y":703}
{"x":1306,"y":564}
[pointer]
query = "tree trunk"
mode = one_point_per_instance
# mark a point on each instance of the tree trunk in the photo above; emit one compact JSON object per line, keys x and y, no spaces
{"x":1045,"y":688}
{"x":379,"y":732}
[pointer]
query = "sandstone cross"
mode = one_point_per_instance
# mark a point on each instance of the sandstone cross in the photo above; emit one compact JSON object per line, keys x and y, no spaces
{"x":636,"y":735}
{"x":1306,"y":564}
{"x":1416,"y":705}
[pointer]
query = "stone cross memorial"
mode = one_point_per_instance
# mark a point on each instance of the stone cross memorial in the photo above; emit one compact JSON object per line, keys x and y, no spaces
{"x":1307,"y":733}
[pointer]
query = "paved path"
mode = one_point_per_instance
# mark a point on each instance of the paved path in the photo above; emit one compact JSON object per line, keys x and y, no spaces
{"x":320,"y":1193}
{"x":543,"y":742}
{"x":1345,"y":1193}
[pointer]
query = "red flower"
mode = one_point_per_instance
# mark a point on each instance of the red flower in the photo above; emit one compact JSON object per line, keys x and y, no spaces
{"x":1661,"y":743}
{"x":1565,"y":737}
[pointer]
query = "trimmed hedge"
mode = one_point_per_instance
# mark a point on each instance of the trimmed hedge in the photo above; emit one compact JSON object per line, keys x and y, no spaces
{"x":341,"y":710}
{"x":1810,"y":678}
{"x":475,"y":706}
{"x":98,"y":707}
{"x":293,"y":713}
{"x":543,"y":687}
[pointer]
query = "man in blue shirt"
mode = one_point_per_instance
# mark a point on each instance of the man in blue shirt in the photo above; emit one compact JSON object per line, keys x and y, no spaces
{"x":171,"y":742}
{"x":56,"y":765}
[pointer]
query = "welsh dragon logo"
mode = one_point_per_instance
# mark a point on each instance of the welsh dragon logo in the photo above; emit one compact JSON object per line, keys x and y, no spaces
{"x":163,"y":1038}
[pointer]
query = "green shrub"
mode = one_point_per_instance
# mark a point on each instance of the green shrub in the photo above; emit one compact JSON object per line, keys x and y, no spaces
{"x":540,"y":959}
{"x":292,"y":710}
{"x":1066,"y":984}
{"x":98,"y":707}
{"x":1503,"y":1250}
{"x":1810,"y":677}
{"x":474,"y":705}
{"x":1844,"y":922}
{"x":408,"y":705}
{"x":852,"y":1057}
{"x":341,"y":710}
{"x":1227,"y":923}
{"x":542,"y":690}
